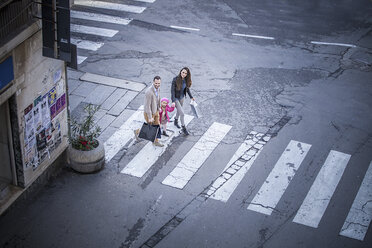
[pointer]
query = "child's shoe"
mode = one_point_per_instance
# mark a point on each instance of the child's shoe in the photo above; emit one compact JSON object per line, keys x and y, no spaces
{"x":165,"y":134}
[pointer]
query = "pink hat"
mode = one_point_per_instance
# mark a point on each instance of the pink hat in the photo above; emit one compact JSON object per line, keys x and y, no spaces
{"x":164,"y":99}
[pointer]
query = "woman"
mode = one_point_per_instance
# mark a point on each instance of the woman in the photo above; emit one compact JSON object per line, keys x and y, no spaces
{"x":180,"y":85}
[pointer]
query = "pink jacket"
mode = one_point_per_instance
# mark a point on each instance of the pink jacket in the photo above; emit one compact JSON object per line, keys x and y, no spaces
{"x":167,"y":109}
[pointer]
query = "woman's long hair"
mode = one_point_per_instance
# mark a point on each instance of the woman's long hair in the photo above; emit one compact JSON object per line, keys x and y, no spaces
{"x":187,"y":78}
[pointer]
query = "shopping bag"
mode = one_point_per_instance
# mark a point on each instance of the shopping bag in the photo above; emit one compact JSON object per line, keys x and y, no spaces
{"x":149,"y":132}
{"x":195,"y":109}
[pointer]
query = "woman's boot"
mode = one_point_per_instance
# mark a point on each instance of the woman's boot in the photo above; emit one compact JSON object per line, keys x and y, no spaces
{"x":184,"y":130}
{"x":176,"y":123}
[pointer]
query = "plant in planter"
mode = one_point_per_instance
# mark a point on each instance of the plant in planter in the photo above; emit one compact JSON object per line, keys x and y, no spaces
{"x":85,"y":154}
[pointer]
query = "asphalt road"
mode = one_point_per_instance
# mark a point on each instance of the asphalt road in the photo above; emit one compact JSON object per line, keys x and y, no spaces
{"x":297,"y":71}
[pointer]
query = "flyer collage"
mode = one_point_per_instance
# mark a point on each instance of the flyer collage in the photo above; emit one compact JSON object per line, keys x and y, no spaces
{"x":42,"y":132}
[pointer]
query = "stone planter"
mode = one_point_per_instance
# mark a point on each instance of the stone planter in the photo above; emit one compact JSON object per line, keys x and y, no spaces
{"x":86,"y":161}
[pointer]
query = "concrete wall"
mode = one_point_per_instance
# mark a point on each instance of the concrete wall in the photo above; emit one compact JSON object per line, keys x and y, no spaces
{"x":41,"y":105}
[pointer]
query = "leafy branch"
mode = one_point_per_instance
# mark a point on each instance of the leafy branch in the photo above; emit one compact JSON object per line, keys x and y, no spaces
{"x":84,"y":135}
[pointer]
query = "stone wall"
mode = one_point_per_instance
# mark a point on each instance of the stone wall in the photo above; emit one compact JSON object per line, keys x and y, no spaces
{"x":41,"y":101}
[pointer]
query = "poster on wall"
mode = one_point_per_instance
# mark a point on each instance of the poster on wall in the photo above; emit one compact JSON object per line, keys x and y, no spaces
{"x":37,"y":117}
{"x":42,"y":132}
{"x":41,"y":146}
{"x":60,"y":87}
{"x":58,"y":106}
{"x":52,"y":96}
{"x":45,"y":114}
{"x":29,"y":138}
{"x":58,"y":134}
{"x":29,"y":122}
{"x":41,"y":124}
{"x":49,"y":133}
{"x":57,"y":76}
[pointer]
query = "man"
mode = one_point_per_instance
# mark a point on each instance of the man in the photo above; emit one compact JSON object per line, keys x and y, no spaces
{"x":152,"y":106}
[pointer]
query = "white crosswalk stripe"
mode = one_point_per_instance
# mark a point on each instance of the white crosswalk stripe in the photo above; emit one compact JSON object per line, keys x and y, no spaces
{"x":278,"y":180}
{"x":86,"y":44}
{"x":146,"y":1}
{"x":197,"y":155}
{"x":99,"y":17}
{"x":93,"y":30}
{"x":224,"y":188}
{"x":123,"y":135}
{"x":80,"y":59}
{"x":316,"y":201}
{"x":148,"y":155}
{"x":360,"y":215}
{"x":111,"y":6}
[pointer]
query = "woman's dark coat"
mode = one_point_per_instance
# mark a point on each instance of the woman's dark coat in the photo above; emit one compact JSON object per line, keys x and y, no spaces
{"x":177,"y":93}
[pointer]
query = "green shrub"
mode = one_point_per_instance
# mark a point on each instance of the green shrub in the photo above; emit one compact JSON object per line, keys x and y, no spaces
{"x":83,"y":136}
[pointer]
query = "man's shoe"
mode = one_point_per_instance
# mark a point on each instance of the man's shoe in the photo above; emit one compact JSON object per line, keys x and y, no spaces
{"x":165,"y":134}
{"x":136,"y":132}
{"x":157,"y":143}
{"x":184,"y":130}
{"x":176,"y":123}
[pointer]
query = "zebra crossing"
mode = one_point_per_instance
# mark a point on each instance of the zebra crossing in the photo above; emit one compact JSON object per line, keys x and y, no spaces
{"x":316,"y":201}
{"x":274,"y":187}
{"x":99,"y":17}
{"x":360,"y":215}
{"x":86,"y":44}
{"x":197,"y":155}
{"x":93,"y":31}
{"x":239,"y":164}
{"x":147,"y":156}
{"x":278,"y":180}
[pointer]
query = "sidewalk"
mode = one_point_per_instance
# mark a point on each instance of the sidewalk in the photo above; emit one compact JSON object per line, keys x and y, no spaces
{"x":69,"y":210}
{"x":117,"y":99}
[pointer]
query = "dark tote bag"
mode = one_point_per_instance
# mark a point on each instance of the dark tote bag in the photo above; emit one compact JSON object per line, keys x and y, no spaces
{"x":149,"y":132}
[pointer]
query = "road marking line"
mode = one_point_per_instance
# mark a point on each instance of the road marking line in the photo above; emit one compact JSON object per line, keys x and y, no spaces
{"x":332,"y":44}
{"x":197,"y":155}
{"x":149,"y":154}
{"x":278,"y":180}
{"x":254,"y":36}
{"x":185,"y":28}
{"x":124,"y":134}
{"x":111,"y":6}
{"x":86,"y":44}
{"x":146,"y":1}
{"x":360,"y":214}
{"x":80,"y":59}
{"x":224,"y":192}
{"x":317,"y":199}
{"x":99,"y":17}
{"x":93,"y":30}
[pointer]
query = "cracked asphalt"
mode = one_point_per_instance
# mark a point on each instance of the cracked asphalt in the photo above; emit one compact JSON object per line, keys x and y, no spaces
{"x":288,"y":87}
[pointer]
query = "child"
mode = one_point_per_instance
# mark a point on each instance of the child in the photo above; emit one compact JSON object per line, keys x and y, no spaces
{"x":163,"y":113}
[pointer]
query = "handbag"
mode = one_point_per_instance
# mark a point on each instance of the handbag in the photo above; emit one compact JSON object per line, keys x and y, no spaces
{"x":149,"y":132}
{"x":194,"y":109}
